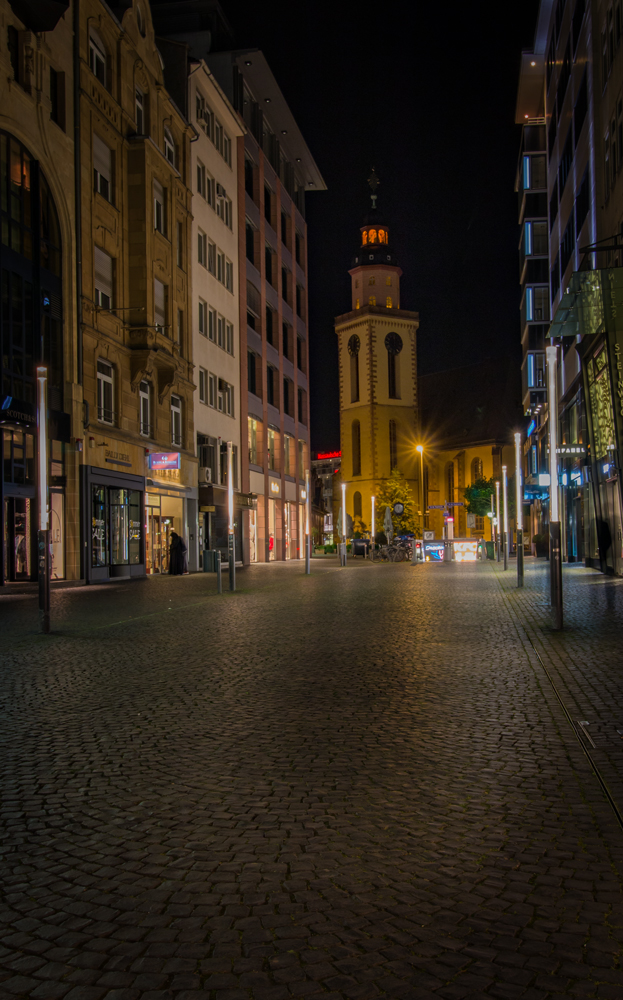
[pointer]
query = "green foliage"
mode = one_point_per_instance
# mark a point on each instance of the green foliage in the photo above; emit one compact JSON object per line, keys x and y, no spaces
{"x":396,"y":489}
{"x":478,"y":497}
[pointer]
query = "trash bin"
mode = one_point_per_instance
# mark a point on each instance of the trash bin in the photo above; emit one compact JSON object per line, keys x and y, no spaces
{"x":490,"y":550}
{"x":209,"y":560}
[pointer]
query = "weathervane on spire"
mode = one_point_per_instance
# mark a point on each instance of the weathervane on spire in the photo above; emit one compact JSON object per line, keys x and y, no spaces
{"x":374,"y":182}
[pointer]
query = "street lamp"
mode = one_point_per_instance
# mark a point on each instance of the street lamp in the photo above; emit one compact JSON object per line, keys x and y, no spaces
{"x":420,"y":449}
{"x":343,"y":524}
{"x":497,"y":519}
{"x":505,"y":536}
{"x":307,"y":532}
{"x":44,"y":515}
{"x":373,"y":539}
{"x":231,"y":540}
{"x":519,"y":509}
{"x":555,"y":554}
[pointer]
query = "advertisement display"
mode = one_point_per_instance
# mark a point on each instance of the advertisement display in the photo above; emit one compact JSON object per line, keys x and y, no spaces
{"x":164,"y":460}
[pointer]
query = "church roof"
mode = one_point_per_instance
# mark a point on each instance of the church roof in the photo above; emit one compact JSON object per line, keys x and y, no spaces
{"x":471,"y":405}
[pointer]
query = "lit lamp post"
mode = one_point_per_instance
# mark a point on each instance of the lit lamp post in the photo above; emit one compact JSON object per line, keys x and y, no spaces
{"x":420,"y":450}
{"x":307,"y":531}
{"x":373,"y":538}
{"x":343,"y":524}
{"x":231,"y":539}
{"x":519,"y":509}
{"x":505,"y":519}
{"x":44,"y":516}
{"x":497,"y":520}
{"x":555,"y":554}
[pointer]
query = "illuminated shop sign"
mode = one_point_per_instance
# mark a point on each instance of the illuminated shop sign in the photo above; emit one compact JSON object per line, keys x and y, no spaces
{"x":329,"y":454}
{"x":164,"y":460}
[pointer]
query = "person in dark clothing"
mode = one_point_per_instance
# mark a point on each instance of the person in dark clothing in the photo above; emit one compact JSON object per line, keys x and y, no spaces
{"x":177,"y":555}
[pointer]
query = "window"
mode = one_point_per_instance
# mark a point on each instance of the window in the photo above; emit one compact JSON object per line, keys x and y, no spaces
{"x":160,"y":306}
{"x":300,"y":354}
{"x":302,"y":460}
{"x":553,"y":205}
{"x":271,"y":440}
{"x":211,"y":257}
{"x":388,"y":302}
{"x":268,"y":264}
{"x":372,"y":300}
{"x":286,"y":340}
{"x":220,"y":267}
{"x":203,"y":385}
{"x":270,"y":326}
{"x":203,"y":318}
{"x":160,"y":218}
{"x":530,"y":371}
{"x":229,"y":275}
{"x":248,"y":176}
{"x":393,"y":345}
{"x":530,"y":305}
{"x":357,"y":505}
{"x":356,"y":444}
{"x":202,"y":248}
{"x":144,"y":398}
{"x":180,"y":329}
{"x":102,"y":168}
{"x":212,"y":325}
{"x":57,"y":97}
{"x":272,"y":391}
{"x":250,"y":241}
{"x":565,"y":163}
{"x":139,"y":111}
{"x":229,"y":338}
{"x":298,"y":248}
{"x":220,"y":334}
{"x":567,"y":244}
{"x":180,"y":244}
{"x":288,"y":455}
{"x":284,"y":228}
{"x":580,"y":109}
{"x":225,"y":397}
{"x":169,"y":147}
{"x":252,"y":379}
{"x":582,"y":203}
{"x":212,"y":390}
{"x":227,"y":149}
{"x":284,"y":284}
{"x":300,"y":300}
{"x":393,"y":448}
{"x":302,"y":407}
{"x":105,"y":392}
{"x":97,"y":57}
{"x":218,"y":135}
{"x":372,"y":281}
{"x":103,"y":279}
{"x":201,"y":179}
{"x":353,"y":350}
{"x":477,"y":469}
{"x":176,"y":421}
{"x":268,"y":204}
{"x":554,"y":280}
{"x":288,"y":397}
{"x":253,"y":443}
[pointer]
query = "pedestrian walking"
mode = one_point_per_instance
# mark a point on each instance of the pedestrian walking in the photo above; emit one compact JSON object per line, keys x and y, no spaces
{"x":178,"y":564}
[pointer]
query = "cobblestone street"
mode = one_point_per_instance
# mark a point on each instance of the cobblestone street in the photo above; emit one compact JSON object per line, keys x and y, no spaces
{"x":357,"y":784}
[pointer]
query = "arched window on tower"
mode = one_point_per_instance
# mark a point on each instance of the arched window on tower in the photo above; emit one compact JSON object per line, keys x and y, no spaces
{"x":450,"y":482}
{"x":357,"y":504}
{"x":356,"y":432}
{"x":353,"y":350}
{"x":393,"y":346}
{"x":476,"y":469}
{"x":393,"y":445}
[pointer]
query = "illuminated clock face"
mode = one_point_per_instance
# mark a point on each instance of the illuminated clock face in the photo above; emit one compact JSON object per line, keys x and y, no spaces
{"x":354,"y":344}
{"x":393,"y":343}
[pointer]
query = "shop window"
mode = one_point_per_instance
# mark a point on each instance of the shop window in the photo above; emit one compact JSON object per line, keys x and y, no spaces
{"x":97,"y":58}
{"x":105,"y":393}
{"x":176,"y":421}
{"x":99,"y":526}
{"x":125,"y":527}
{"x":103,"y":268}
{"x":144,"y":395}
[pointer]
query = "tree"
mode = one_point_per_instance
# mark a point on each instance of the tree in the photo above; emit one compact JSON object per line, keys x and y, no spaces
{"x":478,"y":497}
{"x":394,"y":490}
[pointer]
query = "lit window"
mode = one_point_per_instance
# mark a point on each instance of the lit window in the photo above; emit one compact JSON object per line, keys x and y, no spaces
{"x":365,"y":238}
{"x":529,"y":304}
{"x":527,"y":238}
{"x":372,"y":235}
{"x":371,"y":281}
{"x":526,"y":172}
{"x":388,"y":302}
{"x":388,"y":280}
{"x":357,"y":306}
{"x":530,"y":371}
{"x":372,"y":300}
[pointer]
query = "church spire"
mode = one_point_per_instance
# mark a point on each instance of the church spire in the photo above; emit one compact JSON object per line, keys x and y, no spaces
{"x":373,"y":183}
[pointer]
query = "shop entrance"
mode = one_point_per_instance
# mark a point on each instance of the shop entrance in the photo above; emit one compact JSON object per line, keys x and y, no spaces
{"x":163,"y":515}
{"x":19,"y":557}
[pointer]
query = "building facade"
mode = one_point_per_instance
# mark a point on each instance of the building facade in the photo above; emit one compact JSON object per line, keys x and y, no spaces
{"x":377,"y":354}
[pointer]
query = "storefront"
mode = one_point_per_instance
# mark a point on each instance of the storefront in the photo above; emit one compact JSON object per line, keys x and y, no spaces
{"x":113,"y":517}
{"x":214,"y":523}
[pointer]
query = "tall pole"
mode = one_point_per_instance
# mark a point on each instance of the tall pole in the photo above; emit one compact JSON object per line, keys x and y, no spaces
{"x":420,"y":449}
{"x":43,"y":538}
{"x":505,"y":516}
{"x":519,"y":509}
{"x":373,"y":538}
{"x":497,"y":519}
{"x":307,"y":531}
{"x":343,"y":524}
{"x":231,"y":538}
{"x":555,"y":553}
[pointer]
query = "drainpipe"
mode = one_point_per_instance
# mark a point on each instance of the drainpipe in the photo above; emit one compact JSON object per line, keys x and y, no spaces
{"x":78,"y":187}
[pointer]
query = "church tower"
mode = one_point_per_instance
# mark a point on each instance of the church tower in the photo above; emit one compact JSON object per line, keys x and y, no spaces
{"x":378,"y":373}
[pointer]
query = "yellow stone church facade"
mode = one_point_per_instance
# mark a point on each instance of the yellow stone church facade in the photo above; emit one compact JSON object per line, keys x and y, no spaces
{"x":378,"y":377}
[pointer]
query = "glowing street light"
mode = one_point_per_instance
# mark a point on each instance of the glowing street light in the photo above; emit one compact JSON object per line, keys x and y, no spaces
{"x":231,"y":539}
{"x":44,"y":514}
{"x":343,"y":524}
{"x":555,"y":554}
{"x":373,"y":538}
{"x":505,"y":496}
{"x":307,"y":532}
{"x":497,"y":519}
{"x":519,"y":509}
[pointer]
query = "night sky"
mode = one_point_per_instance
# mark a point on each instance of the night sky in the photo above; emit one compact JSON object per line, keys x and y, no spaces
{"x":425,"y":93}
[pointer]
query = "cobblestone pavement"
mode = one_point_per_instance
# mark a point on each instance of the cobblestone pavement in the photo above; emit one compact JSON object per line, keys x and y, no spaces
{"x":357,"y":784}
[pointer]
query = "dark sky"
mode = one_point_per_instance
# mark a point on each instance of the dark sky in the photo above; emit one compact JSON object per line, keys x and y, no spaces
{"x":425,"y":93}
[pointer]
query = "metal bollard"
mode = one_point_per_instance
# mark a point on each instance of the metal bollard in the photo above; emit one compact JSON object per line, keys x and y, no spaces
{"x":219,"y":580}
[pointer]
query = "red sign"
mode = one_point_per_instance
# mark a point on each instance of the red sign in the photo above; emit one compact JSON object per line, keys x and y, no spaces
{"x":329,"y":454}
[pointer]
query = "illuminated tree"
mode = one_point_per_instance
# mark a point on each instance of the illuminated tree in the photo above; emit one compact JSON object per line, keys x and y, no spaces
{"x":395,"y":490}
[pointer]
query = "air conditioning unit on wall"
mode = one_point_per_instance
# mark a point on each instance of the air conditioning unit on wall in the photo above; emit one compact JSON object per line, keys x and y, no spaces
{"x":205,"y":474}
{"x":220,"y":191}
